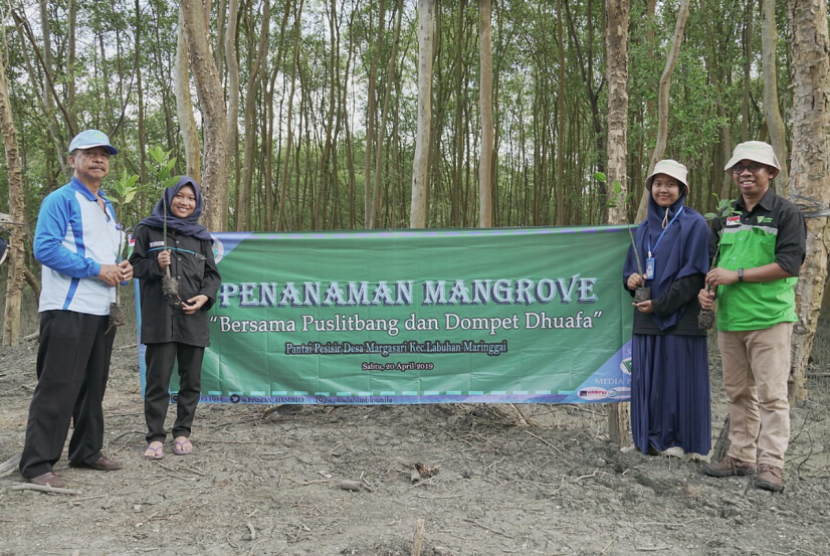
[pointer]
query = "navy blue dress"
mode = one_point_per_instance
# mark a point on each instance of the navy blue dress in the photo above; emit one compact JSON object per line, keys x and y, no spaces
{"x":670,"y":395}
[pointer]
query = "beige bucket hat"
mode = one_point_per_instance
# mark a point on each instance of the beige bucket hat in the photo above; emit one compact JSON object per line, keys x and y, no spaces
{"x":671,"y":168}
{"x":756,"y":151}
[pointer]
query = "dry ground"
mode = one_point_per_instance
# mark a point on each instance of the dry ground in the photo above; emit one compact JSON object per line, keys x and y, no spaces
{"x":547,"y":483}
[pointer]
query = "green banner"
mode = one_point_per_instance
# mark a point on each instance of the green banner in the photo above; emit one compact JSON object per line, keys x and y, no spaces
{"x":518,"y":315}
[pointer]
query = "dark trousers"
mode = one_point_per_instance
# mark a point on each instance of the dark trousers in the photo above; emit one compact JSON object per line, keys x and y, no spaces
{"x":73,"y":364}
{"x":160,"y":359}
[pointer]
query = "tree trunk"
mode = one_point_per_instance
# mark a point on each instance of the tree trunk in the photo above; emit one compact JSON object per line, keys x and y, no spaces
{"x":233,"y":101}
{"x":777,"y":130}
{"x":371,"y":107}
{"x":243,"y":209}
{"x":560,"y":121}
{"x":420,"y":165}
{"x":810,"y":175}
{"x":663,"y":102}
{"x":281,"y":216}
{"x":616,"y":45}
{"x":14,"y":284}
{"x":376,"y":220}
{"x":214,"y":116}
{"x":485,"y":162}
{"x":184,"y":105}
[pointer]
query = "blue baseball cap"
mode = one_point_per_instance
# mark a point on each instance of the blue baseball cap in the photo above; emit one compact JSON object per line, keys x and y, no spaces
{"x":91,"y":138}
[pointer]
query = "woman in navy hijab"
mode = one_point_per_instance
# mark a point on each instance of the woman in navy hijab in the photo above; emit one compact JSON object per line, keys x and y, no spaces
{"x":178,"y":332}
{"x":670,"y":401}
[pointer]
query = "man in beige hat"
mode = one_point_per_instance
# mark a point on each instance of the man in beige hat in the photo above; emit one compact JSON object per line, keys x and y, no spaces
{"x":762,"y":247}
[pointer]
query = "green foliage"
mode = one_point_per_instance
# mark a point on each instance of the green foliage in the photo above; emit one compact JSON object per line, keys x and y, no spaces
{"x":726,"y":207}
{"x":616,"y":196}
{"x":161,"y":167}
{"x":123,"y":191}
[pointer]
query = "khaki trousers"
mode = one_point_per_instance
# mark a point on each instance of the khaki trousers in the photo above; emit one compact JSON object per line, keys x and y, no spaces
{"x":756,"y":367}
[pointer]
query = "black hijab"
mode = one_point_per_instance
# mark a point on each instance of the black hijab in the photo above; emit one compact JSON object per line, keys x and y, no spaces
{"x":186,"y":226}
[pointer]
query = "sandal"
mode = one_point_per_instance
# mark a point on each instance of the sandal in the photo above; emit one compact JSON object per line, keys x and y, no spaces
{"x":154,"y":451}
{"x":182,"y":446}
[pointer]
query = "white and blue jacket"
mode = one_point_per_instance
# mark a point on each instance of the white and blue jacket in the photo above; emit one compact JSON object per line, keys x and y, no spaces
{"x":74,"y":237}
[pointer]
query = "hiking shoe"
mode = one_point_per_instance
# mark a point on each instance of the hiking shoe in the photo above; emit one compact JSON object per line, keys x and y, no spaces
{"x":48,"y":479}
{"x":728,"y":467}
{"x":101,"y":464}
{"x":770,"y":478}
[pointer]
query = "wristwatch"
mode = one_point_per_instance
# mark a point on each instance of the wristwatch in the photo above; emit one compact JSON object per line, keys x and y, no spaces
{"x":740,"y":275}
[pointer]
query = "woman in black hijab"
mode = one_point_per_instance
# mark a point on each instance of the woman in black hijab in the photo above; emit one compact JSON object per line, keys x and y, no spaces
{"x":176,"y":332}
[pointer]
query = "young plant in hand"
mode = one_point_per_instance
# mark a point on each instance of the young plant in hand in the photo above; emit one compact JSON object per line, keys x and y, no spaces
{"x":726,"y":207}
{"x":161,"y":167}
{"x":616,"y":199}
{"x":122,"y":193}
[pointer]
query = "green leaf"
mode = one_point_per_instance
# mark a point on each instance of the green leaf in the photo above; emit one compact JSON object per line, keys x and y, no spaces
{"x":600,"y":176}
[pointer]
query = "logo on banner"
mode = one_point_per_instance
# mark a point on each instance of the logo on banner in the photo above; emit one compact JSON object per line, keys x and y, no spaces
{"x":625,"y":366}
{"x":593,"y":393}
{"x":218,"y":249}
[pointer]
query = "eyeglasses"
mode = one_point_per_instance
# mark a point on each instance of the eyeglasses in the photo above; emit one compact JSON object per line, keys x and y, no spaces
{"x":738,"y":169}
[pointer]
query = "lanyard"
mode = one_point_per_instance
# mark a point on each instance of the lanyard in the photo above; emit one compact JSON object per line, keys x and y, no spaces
{"x":663,"y":232}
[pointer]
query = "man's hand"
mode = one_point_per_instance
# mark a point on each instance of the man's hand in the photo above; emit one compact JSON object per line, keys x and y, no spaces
{"x":194,"y":304}
{"x":164,"y":259}
{"x":110,"y":274}
{"x":706,"y":299}
{"x":644,"y":306}
{"x":635,"y":281}
{"x":126,"y":271}
{"x":721,"y":277}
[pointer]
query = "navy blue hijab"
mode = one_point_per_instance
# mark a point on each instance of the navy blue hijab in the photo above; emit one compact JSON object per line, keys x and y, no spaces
{"x":683,"y":251}
{"x":186,"y":226}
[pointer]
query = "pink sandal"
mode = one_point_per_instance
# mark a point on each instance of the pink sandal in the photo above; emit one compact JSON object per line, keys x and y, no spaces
{"x":182,"y":446}
{"x":155,"y":451}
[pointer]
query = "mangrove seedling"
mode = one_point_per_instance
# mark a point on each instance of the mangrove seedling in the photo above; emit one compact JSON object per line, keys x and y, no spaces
{"x":161,"y":166}
{"x":122,"y":192}
{"x":616,"y":199}
{"x":726,"y":207}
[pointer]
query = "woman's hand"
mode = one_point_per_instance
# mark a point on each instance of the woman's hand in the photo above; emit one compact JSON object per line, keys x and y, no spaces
{"x":706,"y":298}
{"x":194,"y":304}
{"x":164,"y":259}
{"x":635,"y":281}
{"x":644,"y":306}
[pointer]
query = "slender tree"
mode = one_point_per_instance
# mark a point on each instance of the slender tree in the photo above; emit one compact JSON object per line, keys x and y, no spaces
{"x":616,"y":45}
{"x":663,"y":101}
{"x":772,"y":113}
{"x":485,"y":163}
{"x":214,"y":117}
{"x":420,"y":166}
{"x":14,"y":284}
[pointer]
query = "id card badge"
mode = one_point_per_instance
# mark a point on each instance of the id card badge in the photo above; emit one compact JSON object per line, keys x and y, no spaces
{"x":649,"y":269}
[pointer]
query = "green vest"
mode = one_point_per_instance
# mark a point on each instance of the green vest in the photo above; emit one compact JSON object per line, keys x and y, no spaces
{"x":757,"y":305}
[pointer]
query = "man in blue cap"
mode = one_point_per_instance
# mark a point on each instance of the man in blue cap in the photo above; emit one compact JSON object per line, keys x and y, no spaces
{"x":78,"y":242}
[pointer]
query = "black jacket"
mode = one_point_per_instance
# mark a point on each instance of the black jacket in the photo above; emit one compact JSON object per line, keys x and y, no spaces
{"x":193,"y":266}
{"x":682,"y":293}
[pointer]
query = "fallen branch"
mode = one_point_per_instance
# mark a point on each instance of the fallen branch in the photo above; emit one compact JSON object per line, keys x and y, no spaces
{"x":418,"y":539}
{"x":488,"y":529}
{"x":48,"y":489}
{"x":10,"y":465}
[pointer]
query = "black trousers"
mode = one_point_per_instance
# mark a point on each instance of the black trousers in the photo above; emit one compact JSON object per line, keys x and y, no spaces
{"x":73,"y":363}
{"x":160,"y":359}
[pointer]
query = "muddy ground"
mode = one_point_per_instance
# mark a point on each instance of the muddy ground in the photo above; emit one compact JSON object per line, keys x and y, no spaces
{"x":535,"y":479}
